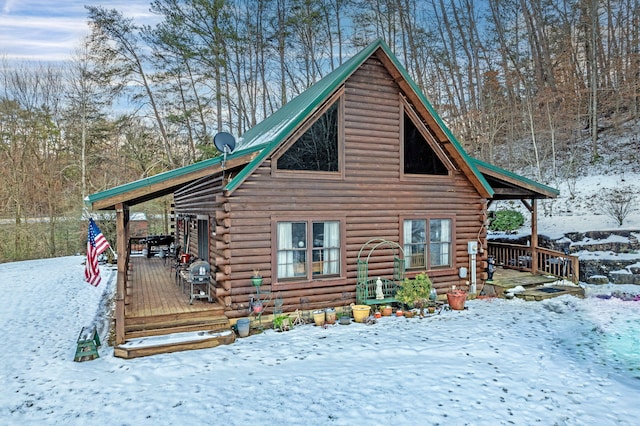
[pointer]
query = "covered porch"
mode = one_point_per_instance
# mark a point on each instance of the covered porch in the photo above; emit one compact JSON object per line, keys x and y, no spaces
{"x":530,"y":258}
{"x":156,"y":304}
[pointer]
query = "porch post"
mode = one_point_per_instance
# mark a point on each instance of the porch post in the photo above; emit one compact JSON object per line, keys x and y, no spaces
{"x":534,"y":236}
{"x":122,"y":235}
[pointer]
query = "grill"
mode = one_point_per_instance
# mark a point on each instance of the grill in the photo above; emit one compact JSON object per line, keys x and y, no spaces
{"x":199,"y":281}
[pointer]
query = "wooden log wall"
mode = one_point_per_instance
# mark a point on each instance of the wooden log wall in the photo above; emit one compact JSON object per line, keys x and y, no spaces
{"x":370,"y":201}
{"x":204,"y":197}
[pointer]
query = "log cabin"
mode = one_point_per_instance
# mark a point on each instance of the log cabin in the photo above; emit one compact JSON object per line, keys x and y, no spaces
{"x":360,"y":157}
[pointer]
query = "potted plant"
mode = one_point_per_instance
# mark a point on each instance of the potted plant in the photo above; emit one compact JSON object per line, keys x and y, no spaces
{"x":256,"y":278}
{"x":456,"y":299}
{"x":415,"y":291}
{"x":386,"y":311}
{"x":281,"y":323}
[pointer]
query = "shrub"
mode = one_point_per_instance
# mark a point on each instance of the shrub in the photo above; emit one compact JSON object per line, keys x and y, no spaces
{"x":506,"y":220}
{"x":618,"y":204}
{"x":414,"y":290}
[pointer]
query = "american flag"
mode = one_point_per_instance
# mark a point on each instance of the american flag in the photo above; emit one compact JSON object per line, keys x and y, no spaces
{"x":96,"y":245}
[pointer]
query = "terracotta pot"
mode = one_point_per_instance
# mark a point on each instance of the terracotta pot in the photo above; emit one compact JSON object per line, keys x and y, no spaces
{"x":387,"y":312}
{"x":456,"y":299}
{"x":399,"y":313}
{"x":377,"y":315}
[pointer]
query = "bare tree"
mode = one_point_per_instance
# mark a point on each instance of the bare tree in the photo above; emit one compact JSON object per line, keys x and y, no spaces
{"x":115,"y":43}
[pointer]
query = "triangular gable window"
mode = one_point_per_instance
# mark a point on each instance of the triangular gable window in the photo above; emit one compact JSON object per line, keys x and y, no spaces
{"x":419,"y":156}
{"x":317,"y":148}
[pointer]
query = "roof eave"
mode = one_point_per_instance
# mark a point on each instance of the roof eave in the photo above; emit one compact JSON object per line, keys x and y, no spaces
{"x":165,"y":183}
{"x":529,"y":187}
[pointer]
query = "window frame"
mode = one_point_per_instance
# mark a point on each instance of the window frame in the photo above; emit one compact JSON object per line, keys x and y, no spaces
{"x":309,"y":277}
{"x":315,"y":174}
{"x":407,"y":109}
{"x":427,"y":218}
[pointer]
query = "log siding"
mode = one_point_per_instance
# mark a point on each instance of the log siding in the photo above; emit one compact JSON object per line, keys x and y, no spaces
{"x":370,"y":200}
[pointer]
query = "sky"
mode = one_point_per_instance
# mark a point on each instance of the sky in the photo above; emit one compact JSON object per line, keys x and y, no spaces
{"x":565,"y":361}
{"x":49,"y":30}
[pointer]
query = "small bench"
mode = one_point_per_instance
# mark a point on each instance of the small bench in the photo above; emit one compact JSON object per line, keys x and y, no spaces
{"x":88,"y":343}
{"x":366,"y":291}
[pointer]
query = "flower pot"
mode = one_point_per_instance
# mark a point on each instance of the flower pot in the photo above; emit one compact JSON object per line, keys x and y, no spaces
{"x":399,"y":313}
{"x":377,"y":314}
{"x":387,"y":311}
{"x":360,"y":312}
{"x":456,"y":299}
{"x":432,"y":309}
{"x":330,"y":315}
{"x":243,"y":325}
{"x":256,"y":281}
{"x":318,"y":318}
{"x":345,"y":320}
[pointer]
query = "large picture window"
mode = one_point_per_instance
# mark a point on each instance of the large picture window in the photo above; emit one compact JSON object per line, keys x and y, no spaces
{"x":308,"y":249}
{"x":419,"y":156}
{"x":437,"y":253}
{"x":316,"y":149}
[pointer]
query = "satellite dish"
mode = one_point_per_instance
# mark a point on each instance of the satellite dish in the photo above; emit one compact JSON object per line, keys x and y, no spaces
{"x":225,"y":142}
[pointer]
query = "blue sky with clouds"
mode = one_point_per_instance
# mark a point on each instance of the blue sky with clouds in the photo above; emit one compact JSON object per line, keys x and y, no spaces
{"x":51,"y":30}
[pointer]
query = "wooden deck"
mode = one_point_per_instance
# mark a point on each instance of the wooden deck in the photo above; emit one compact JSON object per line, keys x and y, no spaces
{"x":152,"y":291}
{"x":156,"y":306}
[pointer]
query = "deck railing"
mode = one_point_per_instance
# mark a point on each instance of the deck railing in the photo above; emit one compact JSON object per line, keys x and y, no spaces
{"x":548,"y":262}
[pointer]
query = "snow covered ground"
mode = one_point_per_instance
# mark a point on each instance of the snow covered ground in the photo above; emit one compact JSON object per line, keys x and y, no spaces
{"x":565,"y":361}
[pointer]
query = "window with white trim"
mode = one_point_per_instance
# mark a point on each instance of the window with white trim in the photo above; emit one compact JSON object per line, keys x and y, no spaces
{"x":428,"y":247}
{"x":307,"y":249}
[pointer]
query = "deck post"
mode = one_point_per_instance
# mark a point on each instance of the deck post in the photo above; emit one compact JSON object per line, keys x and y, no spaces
{"x":534,"y":236}
{"x":122,"y":231}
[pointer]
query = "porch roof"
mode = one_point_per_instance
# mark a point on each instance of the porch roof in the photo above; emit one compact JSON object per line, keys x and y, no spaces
{"x":508,"y":185}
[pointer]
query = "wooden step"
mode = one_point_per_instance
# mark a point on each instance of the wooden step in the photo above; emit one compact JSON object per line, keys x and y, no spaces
{"x":146,"y":346}
{"x":174,"y":318}
{"x":217,"y":323}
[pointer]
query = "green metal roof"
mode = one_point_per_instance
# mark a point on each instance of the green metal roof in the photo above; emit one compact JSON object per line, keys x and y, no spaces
{"x":267,"y":135}
{"x":275,"y":129}
{"x":506,"y":174}
{"x":163,"y":177}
